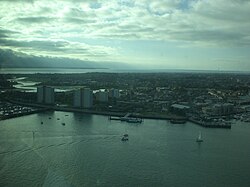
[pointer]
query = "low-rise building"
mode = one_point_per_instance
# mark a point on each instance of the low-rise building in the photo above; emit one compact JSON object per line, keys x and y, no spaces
{"x":223,"y":109}
{"x":114,"y":93}
{"x":102,"y":96}
{"x":179,"y":109}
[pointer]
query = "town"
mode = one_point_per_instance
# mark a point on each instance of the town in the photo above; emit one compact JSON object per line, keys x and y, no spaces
{"x":207,"y":99}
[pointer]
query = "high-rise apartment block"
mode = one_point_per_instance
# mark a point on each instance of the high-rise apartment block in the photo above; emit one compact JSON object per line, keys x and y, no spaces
{"x":45,"y":95}
{"x":83,"y":98}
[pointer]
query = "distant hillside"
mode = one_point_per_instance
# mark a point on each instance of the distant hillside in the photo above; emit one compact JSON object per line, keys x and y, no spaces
{"x":9,"y":59}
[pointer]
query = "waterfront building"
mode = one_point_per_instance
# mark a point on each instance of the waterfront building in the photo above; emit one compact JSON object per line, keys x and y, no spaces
{"x":45,"y":95}
{"x":83,"y":98}
{"x":223,"y":109}
{"x":102,"y":96}
{"x":179,"y":109}
{"x":77,"y":98}
{"x":40,"y":94}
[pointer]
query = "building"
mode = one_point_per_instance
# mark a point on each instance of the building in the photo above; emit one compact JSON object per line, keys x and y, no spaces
{"x":102,"y":96}
{"x":40,"y":94}
{"x":77,"y":98}
{"x":45,"y":95}
{"x":83,"y":98}
{"x":179,"y":109}
{"x":223,"y":109}
{"x":114,"y":93}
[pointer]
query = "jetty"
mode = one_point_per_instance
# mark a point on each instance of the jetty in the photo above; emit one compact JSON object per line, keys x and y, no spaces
{"x":210,"y":124}
{"x":128,"y":118}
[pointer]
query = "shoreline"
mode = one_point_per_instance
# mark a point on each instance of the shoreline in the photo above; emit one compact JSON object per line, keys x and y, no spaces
{"x":107,"y":113}
{"x":87,"y":111}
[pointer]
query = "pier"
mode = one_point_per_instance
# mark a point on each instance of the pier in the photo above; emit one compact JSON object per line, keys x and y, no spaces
{"x":127,"y":118}
{"x":211,"y":124}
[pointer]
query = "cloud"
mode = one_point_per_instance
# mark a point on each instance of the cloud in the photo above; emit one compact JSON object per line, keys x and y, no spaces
{"x":63,"y":27}
{"x":18,"y":1}
{"x":163,"y":20}
{"x":6,"y":33}
{"x":60,"y":48}
{"x":35,"y":19}
{"x":164,"y":6}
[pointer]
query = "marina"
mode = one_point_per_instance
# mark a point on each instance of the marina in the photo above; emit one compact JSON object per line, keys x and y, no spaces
{"x":225,"y":125}
{"x":9,"y":110}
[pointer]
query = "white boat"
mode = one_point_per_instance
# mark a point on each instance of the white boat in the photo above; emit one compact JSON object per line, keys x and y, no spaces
{"x":199,"y":138}
{"x":134,"y":120}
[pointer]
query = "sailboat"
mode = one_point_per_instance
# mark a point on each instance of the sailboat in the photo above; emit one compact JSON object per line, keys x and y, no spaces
{"x":199,"y":138}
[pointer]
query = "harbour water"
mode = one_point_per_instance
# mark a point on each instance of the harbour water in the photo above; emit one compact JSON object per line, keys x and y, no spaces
{"x":88,"y":151}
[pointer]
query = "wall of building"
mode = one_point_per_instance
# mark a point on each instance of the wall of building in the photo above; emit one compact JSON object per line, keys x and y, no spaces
{"x":45,"y":95}
{"x":40,"y":94}
{"x":49,"y":95}
{"x":77,"y":98}
{"x":87,"y":98}
{"x":83,"y":98}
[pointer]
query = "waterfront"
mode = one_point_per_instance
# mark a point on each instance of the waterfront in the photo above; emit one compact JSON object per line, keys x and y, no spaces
{"x":88,"y":151}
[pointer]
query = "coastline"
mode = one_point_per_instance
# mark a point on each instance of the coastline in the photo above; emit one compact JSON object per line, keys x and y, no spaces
{"x":115,"y":114}
{"x":87,"y":111}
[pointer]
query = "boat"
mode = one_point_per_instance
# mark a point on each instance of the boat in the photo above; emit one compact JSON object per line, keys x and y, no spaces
{"x":125,"y":137}
{"x":63,"y":124}
{"x":41,"y":122}
{"x":177,"y":121}
{"x":199,"y":138}
{"x":134,"y":120}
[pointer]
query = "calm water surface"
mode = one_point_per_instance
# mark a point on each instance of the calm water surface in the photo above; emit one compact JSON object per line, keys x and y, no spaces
{"x":88,"y":151}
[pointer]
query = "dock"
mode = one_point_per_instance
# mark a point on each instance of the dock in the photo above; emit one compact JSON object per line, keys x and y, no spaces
{"x":210,"y":124}
{"x":127,"y":118}
{"x":114,"y":118}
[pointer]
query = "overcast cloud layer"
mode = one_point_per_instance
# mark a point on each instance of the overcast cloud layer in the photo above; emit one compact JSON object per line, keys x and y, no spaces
{"x":105,"y":31}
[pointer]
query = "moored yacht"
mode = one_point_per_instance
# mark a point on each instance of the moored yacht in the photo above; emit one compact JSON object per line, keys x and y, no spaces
{"x":199,"y":138}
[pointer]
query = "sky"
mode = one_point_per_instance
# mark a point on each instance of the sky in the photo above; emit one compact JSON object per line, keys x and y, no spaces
{"x":169,"y":34}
